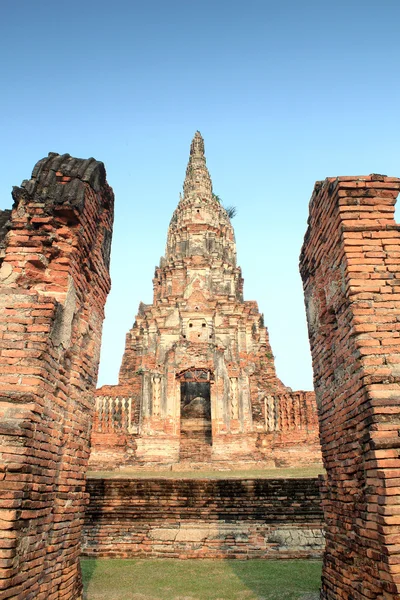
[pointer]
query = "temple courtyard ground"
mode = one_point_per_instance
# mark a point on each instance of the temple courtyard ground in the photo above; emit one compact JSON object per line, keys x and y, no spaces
{"x":117,"y":579}
{"x":240,"y":473}
{"x":172,"y":579}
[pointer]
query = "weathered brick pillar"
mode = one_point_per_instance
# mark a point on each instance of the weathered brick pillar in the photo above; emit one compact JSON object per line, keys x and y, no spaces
{"x":350,"y":265}
{"x":54,"y":281}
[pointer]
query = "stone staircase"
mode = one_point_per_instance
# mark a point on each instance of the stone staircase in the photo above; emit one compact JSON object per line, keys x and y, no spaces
{"x":196,"y":440}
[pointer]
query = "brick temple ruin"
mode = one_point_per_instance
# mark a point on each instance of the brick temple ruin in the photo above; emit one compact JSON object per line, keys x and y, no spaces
{"x":350,"y":265}
{"x":197,"y":382}
{"x":54,"y":280}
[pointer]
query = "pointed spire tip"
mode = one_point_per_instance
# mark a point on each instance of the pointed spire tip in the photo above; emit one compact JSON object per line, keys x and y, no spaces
{"x":197,"y":176}
{"x":197,"y":145}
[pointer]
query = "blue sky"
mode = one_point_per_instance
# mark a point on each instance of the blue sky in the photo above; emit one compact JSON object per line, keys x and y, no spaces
{"x":284,"y":93}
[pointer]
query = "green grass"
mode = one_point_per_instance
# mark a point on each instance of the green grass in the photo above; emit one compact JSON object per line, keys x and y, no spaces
{"x":311,"y":471}
{"x":163,"y":579}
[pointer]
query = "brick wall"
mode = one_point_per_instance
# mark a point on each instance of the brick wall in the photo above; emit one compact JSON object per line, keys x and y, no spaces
{"x":351,"y":277}
{"x":53,"y":285}
{"x":184,"y":518}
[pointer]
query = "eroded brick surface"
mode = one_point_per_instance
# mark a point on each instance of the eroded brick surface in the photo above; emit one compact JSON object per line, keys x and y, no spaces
{"x":186,"y":518}
{"x":198,"y":382}
{"x":54,"y":281}
{"x":5,"y":216}
{"x":351,"y":276}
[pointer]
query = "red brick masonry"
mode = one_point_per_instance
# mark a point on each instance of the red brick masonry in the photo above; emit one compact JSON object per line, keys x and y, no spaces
{"x":186,"y":518}
{"x":290,"y":437}
{"x":350,"y":265}
{"x":54,"y":282}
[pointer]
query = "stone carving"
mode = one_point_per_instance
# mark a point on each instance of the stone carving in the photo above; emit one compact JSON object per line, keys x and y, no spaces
{"x":156,"y":395}
{"x":234,"y":398}
{"x":270,"y":413}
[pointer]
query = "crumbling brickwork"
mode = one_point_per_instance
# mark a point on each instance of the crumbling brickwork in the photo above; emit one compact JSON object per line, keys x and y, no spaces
{"x":351,"y":276}
{"x":5,"y":216}
{"x":205,"y":518}
{"x":54,"y":281}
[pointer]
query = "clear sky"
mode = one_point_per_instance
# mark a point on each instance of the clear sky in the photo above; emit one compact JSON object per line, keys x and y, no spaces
{"x":284,"y":93}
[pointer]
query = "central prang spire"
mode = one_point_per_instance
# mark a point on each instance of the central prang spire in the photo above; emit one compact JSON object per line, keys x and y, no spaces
{"x":200,"y":225}
{"x":197,"y":181}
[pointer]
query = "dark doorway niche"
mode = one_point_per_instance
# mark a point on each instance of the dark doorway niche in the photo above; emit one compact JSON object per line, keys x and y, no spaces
{"x":195,"y":416}
{"x":195,"y":400}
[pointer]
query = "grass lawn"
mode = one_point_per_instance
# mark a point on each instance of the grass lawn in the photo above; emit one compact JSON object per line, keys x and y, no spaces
{"x":117,"y":579}
{"x":311,"y":471}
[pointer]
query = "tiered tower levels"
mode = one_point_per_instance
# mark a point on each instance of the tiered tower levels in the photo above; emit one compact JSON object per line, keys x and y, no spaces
{"x":197,"y":380}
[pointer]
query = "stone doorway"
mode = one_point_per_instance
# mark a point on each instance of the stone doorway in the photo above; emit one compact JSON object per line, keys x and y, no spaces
{"x":196,"y":437}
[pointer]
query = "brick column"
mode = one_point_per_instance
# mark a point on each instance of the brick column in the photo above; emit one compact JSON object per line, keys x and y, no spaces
{"x":350,"y":266}
{"x":54,"y":282}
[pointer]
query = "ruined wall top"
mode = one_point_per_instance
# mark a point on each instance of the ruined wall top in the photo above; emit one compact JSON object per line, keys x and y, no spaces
{"x":58,"y":192}
{"x":5,"y":216}
{"x":56,"y":169}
